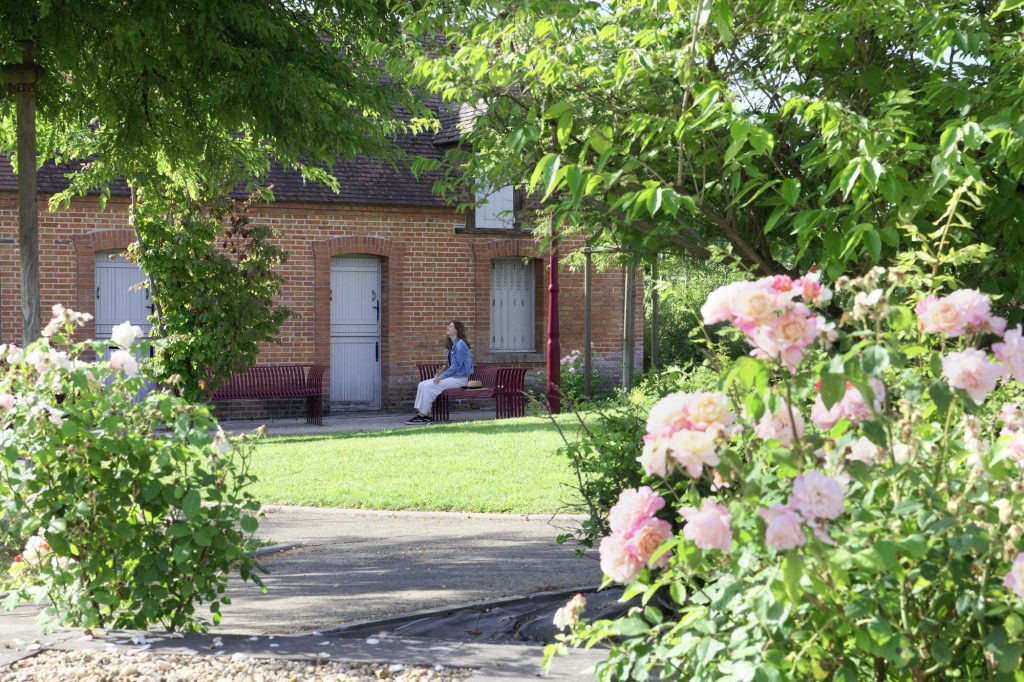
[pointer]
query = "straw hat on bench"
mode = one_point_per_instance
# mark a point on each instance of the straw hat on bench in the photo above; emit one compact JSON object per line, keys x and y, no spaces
{"x":474,"y":383}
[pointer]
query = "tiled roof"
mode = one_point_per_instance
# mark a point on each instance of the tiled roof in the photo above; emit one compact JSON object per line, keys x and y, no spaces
{"x":361,"y":180}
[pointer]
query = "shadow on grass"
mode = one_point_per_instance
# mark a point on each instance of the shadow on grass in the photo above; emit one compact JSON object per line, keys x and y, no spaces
{"x":479,"y":428}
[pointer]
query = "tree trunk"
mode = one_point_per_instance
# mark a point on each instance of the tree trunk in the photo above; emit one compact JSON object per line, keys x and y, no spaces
{"x":28,"y":224}
{"x":628,"y":326}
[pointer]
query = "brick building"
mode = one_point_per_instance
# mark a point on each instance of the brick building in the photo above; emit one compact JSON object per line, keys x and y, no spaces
{"x":374,"y":275}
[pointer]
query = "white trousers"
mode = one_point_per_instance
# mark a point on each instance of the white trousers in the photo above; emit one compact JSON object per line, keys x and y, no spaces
{"x":427,"y":391}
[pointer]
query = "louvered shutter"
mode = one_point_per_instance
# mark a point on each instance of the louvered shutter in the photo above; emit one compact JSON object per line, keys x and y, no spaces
{"x":496,"y":210}
{"x":512,"y":305}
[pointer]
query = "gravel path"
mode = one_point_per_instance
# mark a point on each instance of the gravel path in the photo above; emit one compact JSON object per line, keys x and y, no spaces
{"x":100,"y":666}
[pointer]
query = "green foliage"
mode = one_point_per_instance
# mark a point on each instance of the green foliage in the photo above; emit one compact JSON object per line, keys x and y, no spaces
{"x":126,"y":513}
{"x":203,"y":93}
{"x":685,"y":284}
{"x":790,"y":133}
{"x":213,"y":277}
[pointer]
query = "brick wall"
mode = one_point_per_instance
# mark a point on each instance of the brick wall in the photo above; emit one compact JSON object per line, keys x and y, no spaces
{"x":430,"y":275}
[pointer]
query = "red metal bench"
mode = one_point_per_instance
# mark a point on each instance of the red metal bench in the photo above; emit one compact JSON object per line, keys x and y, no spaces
{"x":504,"y":384}
{"x":279,"y":381}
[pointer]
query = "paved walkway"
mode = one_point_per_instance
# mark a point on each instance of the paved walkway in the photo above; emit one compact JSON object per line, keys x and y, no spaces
{"x":355,"y":566}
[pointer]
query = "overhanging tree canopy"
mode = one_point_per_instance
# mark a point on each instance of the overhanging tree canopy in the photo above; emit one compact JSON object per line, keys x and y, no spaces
{"x":833,"y":133}
{"x":195,"y":93}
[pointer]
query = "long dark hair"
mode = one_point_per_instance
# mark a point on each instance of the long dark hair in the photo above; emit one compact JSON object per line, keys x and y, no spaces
{"x":460,"y":333}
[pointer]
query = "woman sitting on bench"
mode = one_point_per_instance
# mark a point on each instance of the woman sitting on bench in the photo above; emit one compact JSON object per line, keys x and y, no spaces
{"x":460,"y":368}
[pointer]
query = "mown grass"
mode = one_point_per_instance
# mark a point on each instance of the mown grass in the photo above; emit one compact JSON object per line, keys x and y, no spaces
{"x":507,"y":466}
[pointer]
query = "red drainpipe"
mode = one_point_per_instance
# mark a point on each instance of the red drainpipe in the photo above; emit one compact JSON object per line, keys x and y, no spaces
{"x":554,"y":358}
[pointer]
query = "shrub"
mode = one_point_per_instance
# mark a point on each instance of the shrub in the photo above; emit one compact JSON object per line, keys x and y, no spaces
{"x":214,"y":277}
{"x":129,"y":512}
{"x":572,"y":380}
{"x":846,"y":506}
{"x":685,"y":284}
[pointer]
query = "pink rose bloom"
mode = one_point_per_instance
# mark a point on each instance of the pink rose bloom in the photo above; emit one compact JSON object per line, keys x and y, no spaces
{"x":780,"y":425}
{"x":782,"y":283}
{"x":811,"y":290}
{"x":1014,"y":579}
{"x":646,"y":538}
{"x":654,"y":457}
{"x":669,"y":414}
{"x":975,"y":309}
{"x":1010,"y":352}
{"x":940,"y":316}
{"x":820,"y":530}
{"x":787,"y":336}
{"x":616,"y":561}
{"x":718,"y":306}
{"x":709,"y":527}
{"x":972,"y":371}
{"x":708,"y":409}
{"x":6,"y":401}
{"x":784,"y":528}
{"x":635,"y":506}
{"x":816,"y":496}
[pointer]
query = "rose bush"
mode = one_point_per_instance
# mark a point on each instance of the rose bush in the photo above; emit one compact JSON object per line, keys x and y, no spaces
{"x":847,"y":505}
{"x":129,"y":512}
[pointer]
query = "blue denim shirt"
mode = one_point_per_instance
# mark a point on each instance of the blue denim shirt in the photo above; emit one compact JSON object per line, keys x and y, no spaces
{"x":460,"y":361}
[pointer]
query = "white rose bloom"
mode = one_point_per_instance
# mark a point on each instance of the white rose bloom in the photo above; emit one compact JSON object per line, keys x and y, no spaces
{"x":124,"y":361}
{"x":220,"y":442}
{"x":124,"y":334}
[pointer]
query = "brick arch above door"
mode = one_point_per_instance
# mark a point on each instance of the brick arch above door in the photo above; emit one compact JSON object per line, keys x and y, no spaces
{"x":391,"y":255}
{"x":87,"y":245}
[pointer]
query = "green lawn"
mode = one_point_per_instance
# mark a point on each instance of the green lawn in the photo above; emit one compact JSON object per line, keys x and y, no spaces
{"x":507,"y":465}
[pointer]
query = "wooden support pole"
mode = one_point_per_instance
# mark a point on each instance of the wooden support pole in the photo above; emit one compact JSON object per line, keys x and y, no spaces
{"x":588,"y":360}
{"x":655,"y":338}
{"x":628,"y":326}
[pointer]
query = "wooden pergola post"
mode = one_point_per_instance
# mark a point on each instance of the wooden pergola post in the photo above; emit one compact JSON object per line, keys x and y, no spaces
{"x":629,"y":326}
{"x":654,"y":311}
{"x":588,"y":266}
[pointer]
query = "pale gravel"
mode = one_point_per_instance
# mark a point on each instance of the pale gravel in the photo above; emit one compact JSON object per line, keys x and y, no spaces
{"x":125,"y":666}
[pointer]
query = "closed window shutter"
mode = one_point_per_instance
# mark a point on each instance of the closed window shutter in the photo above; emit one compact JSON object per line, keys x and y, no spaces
{"x":512,"y":305}
{"x":496,"y":210}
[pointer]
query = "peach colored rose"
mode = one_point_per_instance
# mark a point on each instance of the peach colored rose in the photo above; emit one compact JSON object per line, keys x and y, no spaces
{"x":616,"y":561}
{"x":647,"y":537}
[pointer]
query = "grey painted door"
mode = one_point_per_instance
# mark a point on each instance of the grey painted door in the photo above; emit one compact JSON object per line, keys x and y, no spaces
{"x":355,"y":333}
{"x":120,"y":298}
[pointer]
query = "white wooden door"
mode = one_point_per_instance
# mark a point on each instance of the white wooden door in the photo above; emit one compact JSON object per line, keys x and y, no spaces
{"x":355,"y":333}
{"x":119,"y":299}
